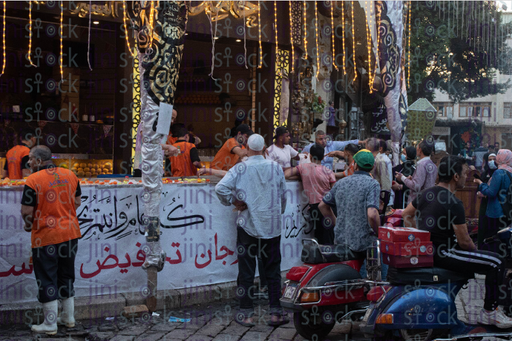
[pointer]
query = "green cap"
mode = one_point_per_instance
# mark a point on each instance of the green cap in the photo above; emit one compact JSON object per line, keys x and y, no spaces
{"x":364,"y":159}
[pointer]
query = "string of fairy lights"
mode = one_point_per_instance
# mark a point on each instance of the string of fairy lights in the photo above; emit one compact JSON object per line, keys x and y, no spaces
{"x":275,"y":29}
{"x":353,"y":42}
{"x":61,"y":45}
{"x":259,"y":36}
{"x":409,"y":47}
{"x":305,"y":31}
{"x":126,"y":30}
{"x":291,"y":35}
{"x":373,"y":19}
{"x":332,"y":36}
{"x":3,"y":39}
{"x":30,"y":33}
{"x":369,"y":46}
{"x":316,"y":42}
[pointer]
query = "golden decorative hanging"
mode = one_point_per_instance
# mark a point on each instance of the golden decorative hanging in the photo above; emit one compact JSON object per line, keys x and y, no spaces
{"x":332,"y":36}
{"x":305,"y":31}
{"x":353,"y":42}
{"x":291,"y":35}
{"x":316,"y":41}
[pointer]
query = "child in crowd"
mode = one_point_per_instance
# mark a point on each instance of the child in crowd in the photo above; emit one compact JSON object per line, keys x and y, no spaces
{"x":187,"y":161}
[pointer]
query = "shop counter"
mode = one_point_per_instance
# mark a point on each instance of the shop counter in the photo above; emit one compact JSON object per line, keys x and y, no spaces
{"x":198,"y":235}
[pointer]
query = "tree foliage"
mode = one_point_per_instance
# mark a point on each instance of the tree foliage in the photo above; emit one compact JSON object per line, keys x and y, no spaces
{"x":457,"y":47}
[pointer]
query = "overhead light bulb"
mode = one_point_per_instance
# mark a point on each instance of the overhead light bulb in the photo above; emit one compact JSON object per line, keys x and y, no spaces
{"x":239,"y":40}
{"x":96,"y":22}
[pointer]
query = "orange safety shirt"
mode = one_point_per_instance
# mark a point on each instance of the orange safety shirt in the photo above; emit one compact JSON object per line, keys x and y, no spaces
{"x":14,"y":163}
{"x":225,"y":159}
{"x":52,"y":191}
{"x":181,"y":165}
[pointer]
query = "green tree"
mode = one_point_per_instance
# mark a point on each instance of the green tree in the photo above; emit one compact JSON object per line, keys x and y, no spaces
{"x":457,"y":47}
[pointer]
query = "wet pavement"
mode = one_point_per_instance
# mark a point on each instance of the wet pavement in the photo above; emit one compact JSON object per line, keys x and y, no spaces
{"x":209,"y":322}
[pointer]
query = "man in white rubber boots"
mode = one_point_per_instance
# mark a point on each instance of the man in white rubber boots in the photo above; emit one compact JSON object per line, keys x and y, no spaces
{"x":50,"y":198}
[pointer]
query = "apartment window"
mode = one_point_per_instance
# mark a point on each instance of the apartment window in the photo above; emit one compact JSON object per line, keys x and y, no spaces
{"x":507,"y":110}
{"x":475,"y":110}
{"x":444,"y":109}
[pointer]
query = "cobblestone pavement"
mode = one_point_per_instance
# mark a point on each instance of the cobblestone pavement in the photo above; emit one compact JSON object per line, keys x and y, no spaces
{"x":213,"y":322}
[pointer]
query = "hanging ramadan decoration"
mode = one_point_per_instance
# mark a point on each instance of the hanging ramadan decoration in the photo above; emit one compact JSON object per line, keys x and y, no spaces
{"x":160,"y":28}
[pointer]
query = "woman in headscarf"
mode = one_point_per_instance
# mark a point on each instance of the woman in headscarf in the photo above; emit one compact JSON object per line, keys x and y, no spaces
{"x":407,"y":168}
{"x":496,"y":191}
{"x":489,"y":167}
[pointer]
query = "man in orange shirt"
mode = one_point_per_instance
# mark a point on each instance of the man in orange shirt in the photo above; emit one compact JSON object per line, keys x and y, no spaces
{"x":50,"y":198}
{"x":16,"y":166}
{"x":187,"y":161}
{"x":233,"y":149}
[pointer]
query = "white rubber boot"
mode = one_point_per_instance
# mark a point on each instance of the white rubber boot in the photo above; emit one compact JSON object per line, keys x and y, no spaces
{"x":49,"y":326}
{"x":67,"y":317}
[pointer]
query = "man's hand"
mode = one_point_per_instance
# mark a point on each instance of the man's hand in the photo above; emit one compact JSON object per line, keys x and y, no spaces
{"x":478,"y":181}
{"x":336,"y":153}
{"x":240,"y":205}
{"x":204,"y":171}
{"x":169,"y":150}
{"x":479,"y":194}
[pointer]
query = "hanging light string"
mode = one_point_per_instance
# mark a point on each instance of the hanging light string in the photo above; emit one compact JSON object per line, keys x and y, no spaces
{"x":291,"y":35}
{"x":61,"y":46}
{"x":259,"y":35}
{"x":214,"y":35}
{"x":409,"y":47}
{"x":332,"y":37}
{"x":245,"y":38}
{"x":30,"y":33}
{"x":151,"y":14}
{"x":369,"y":46}
{"x":353,"y":43}
{"x":134,"y":55}
{"x":3,"y":39}
{"x":275,"y":28}
{"x":343,"y":35}
{"x":305,"y":31}
{"x":316,"y":41}
{"x":89,"y":37}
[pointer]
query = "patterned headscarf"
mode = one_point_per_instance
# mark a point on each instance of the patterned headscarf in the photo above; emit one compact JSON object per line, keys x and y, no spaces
{"x":504,"y":160}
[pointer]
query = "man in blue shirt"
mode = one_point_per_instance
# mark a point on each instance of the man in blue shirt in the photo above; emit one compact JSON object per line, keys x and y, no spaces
{"x":329,"y":146}
{"x":257,"y":189}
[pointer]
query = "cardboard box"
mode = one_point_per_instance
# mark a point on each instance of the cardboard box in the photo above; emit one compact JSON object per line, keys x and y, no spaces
{"x":403,"y":234}
{"x":407,"y":249}
{"x":408,"y":262}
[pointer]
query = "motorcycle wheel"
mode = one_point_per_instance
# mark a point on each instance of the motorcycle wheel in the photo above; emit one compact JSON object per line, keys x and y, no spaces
{"x":313,"y":326}
{"x":416,"y":334}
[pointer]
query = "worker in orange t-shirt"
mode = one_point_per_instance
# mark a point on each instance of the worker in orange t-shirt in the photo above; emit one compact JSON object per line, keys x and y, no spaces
{"x":16,"y":165}
{"x":48,"y":206}
{"x":187,"y":161}
{"x":233,"y":149}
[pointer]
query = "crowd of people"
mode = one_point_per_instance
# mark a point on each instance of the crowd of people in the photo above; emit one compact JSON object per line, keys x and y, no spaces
{"x":345,"y":208}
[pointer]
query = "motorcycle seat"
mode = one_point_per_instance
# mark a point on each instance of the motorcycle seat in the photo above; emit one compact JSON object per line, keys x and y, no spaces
{"x":317,"y":254}
{"x":431,"y":275}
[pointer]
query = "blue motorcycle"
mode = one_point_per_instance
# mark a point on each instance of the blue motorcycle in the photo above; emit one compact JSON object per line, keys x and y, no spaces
{"x":419,"y":305}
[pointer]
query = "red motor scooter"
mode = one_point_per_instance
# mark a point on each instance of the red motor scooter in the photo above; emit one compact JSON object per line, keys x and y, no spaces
{"x":328,"y":288}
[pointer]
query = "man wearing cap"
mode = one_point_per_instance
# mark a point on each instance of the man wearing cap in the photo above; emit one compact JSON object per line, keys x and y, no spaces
{"x":256,"y":188}
{"x":233,"y":149}
{"x":356,"y":199}
{"x":281,"y":151}
{"x":329,"y":146}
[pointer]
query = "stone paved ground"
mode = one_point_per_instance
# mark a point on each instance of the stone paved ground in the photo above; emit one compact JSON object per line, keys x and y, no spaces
{"x":211,"y":322}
